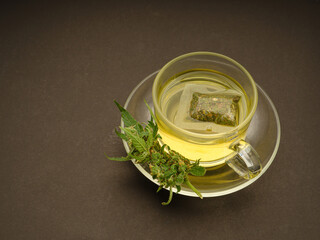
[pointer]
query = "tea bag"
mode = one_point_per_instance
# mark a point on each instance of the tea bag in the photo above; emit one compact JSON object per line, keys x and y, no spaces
{"x":205,"y":109}
{"x":219,"y":108}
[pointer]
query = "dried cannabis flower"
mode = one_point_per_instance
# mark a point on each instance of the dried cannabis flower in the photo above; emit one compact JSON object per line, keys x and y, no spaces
{"x":169,"y":167}
{"x":220,"y":109}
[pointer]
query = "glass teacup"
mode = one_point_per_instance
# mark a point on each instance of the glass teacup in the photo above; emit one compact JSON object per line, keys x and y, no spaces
{"x":204,"y":103}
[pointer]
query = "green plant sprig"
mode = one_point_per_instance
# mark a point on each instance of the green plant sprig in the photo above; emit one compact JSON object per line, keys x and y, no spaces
{"x":169,"y":167}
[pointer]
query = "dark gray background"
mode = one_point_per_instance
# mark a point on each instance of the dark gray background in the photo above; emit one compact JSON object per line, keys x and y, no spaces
{"x":62,"y":64}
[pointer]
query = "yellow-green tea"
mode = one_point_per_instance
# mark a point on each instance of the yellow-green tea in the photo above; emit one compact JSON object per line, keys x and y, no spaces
{"x":202,"y":102}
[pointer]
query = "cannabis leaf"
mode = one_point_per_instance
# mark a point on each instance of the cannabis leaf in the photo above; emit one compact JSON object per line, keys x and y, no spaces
{"x":170,"y":168}
{"x":126,"y":116}
{"x":197,"y":170}
{"x":137,"y":141}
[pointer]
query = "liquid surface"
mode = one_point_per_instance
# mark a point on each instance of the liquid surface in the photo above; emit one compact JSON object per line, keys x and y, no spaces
{"x":176,"y":98}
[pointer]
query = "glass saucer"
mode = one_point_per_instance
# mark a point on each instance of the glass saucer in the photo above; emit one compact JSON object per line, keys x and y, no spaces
{"x":263,"y":134}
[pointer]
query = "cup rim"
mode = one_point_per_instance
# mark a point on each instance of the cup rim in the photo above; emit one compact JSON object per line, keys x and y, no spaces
{"x":177,"y":129}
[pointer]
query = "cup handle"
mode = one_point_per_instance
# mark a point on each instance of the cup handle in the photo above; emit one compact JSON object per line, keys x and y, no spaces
{"x":246,"y":162}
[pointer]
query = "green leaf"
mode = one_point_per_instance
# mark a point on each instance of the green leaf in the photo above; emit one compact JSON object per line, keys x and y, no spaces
{"x":180,"y":179}
{"x":140,"y":157}
{"x":182,"y":168}
{"x":137,"y":141}
{"x":121,"y":135}
{"x":169,"y":173}
{"x":156,"y":156}
{"x":153,"y":125}
{"x":155,"y":131}
{"x":119,"y":159}
{"x":150,"y":110}
{"x":174,"y":167}
{"x":163,"y":147}
{"x":140,"y":130}
{"x":150,"y":138}
{"x":128,"y":120}
{"x":154,"y":169}
{"x":197,"y":171}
